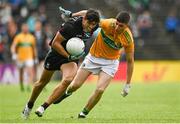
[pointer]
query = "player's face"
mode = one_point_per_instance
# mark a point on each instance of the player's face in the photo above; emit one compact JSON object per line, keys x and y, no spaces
{"x":120,"y":26}
{"x":25,"y":28}
{"x":88,"y":26}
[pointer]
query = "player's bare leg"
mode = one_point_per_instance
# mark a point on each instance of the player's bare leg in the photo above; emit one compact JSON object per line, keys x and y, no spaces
{"x":30,"y":77}
{"x":38,"y":86}
{"x":103,"y":82}
{"x":68,"y":72}
{"x":79,"y":79}
{"x":21,"y":72}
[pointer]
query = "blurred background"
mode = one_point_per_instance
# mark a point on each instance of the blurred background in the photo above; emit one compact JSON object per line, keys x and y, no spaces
{"x":155,"y":25}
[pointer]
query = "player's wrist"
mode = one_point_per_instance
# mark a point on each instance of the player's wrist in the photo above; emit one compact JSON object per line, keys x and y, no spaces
{"x":70,"y":15}
{"x":70,"y":58}
{"x":126,"y":89}
{"x":14,"y":56}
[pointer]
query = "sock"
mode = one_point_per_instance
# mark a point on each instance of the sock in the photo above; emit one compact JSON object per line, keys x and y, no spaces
{"x":30,"y":104}
{"x":68,"y":92}
{"x":85,"y":111}
{"x":45,"y":105}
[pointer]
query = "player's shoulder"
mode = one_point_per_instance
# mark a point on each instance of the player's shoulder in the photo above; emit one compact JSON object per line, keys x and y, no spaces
{"x":128,"y":35}
{"x":111,"y":22}
{"x":108,"y":21}
{"x":66,"y":28}
{"x":19,"y":35}
{"x":30,"y":35}
{"x":74,"y":19}
{"x":72,"y":23}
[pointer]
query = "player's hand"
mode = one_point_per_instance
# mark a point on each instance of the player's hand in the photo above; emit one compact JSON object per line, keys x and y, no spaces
{"x":76,"y":57}
{"x":36,"y":61}
{"x":125,"y":90}
{"x":14,"y":57}
{"x":65,"y":14}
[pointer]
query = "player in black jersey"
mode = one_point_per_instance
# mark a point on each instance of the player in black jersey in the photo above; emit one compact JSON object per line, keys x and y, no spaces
{"x":59,"y":59}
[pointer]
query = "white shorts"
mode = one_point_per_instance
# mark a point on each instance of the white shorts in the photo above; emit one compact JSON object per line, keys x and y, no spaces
{"x":95,"y":65}
{"x":27,"y":63}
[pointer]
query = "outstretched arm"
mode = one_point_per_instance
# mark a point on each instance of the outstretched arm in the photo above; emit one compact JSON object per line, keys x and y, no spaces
{"x":130,"y":68}
{"x":80,"y":13}
{"x":68,"y":14}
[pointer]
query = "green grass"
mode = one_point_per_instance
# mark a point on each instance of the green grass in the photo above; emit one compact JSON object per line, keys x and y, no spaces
{"x":146,"y":103}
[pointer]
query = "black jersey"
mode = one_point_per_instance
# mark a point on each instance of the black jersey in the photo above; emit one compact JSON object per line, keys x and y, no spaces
{"x":71,"y":28}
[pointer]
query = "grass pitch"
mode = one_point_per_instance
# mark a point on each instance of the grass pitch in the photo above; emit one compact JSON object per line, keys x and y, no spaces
{"x":150,"y":103}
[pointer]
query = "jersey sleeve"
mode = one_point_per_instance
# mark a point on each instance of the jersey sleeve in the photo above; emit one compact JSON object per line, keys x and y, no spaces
{"x":107,"y":23}
{"x":66,"y":31}
{"x":129,"y":42}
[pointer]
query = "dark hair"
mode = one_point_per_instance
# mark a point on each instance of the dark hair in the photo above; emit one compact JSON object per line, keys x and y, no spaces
{"x":123,"y":17}
{"x":92,"y":15}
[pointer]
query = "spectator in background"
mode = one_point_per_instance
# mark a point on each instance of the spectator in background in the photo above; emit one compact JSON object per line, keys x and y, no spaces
{"x":41,"y":43}
{"x":23,"y":51}
{"x":177,"y":37}
{"x":1,"y":49}
{"x":42,"y":14}
{"x":12,"y":31}
{"x":2,"y":41}
{"x":5,"y":13}
{"x":16,"y":6}
{"x":32,"y":4}
{"x":139,"y":5}
{"x":31,"y":21}
{"x":144,"y":24}
{"x":171,"y":22}
{"x":49,"y":33}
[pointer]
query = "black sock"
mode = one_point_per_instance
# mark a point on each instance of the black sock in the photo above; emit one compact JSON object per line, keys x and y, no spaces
{"x":68,"y":93}
{"x":85,"y":111}
{"x":30,"y":104}
{"x":45,"y":105}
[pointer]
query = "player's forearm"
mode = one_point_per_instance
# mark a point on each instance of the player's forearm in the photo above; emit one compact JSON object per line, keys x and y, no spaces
{"x":59,"y":48}
{"x":56,"y":44}
{"x":34,"y":52}
{"x":80,"y":13}
{"x":130,"y":68}
{"x":13,"y":51}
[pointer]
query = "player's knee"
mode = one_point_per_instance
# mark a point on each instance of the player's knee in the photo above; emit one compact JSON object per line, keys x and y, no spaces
{"x":67,"y":80}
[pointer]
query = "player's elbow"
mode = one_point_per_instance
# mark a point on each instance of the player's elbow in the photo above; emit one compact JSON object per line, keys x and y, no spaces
{"x":54,"y":44}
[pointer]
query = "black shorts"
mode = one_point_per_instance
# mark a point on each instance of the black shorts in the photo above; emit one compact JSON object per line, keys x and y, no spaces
{"x":53,"y":61}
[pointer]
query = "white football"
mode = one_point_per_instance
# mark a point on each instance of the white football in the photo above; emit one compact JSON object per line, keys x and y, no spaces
{"x":75,"y":46}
